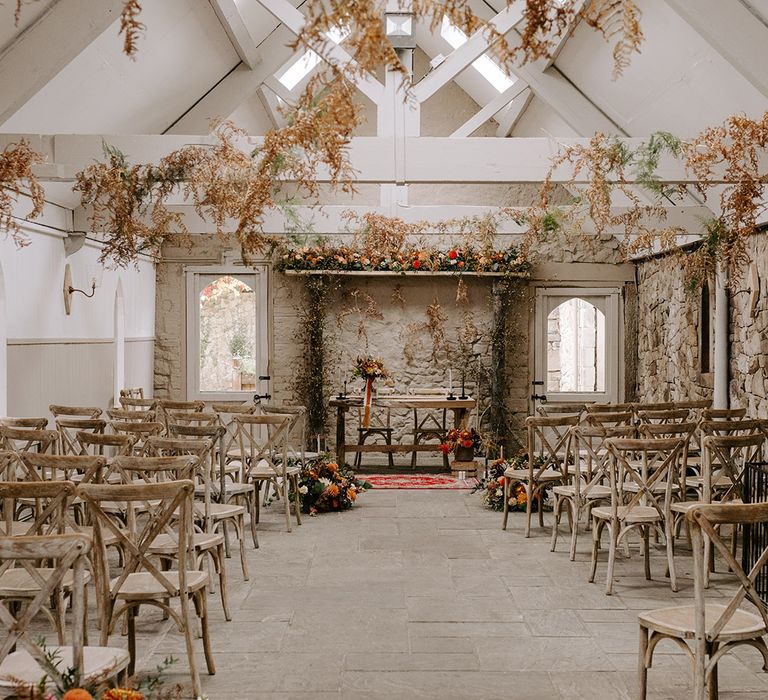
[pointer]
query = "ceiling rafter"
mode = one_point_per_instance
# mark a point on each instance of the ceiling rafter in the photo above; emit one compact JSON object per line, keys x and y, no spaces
{"x":491,"y":109}
{"x":510,"y":115}
{"x":233,"y":23}
{"x":733,"y":31}
{"x":294,"y":21}
{"x":44,"y":49}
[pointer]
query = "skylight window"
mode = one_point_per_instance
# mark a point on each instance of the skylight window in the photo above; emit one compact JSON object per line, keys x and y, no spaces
{"x":484,"y":65}
{"x":305,"y":64}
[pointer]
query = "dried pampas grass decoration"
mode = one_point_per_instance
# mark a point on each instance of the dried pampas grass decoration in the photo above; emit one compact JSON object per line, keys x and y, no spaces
{"x":17,"y":179}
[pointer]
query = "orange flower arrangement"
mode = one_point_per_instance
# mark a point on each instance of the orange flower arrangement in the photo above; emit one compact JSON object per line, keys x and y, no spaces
{"x":325,"y":486}
{"x":122,"y":694}
{"x":78,"y":694}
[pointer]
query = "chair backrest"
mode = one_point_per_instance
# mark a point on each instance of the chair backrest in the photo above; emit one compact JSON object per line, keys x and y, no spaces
{"x":549,"y":439}
{"x":133,"y":393}
{"x":666,"y":430}
{"x":704,"y":521}
{"x":46,"y":502}
{"x":139,"y":431}
{"x":104,"y":445}
{"x":68,"y":429}
{"x":130,"y":403}
{"x":732,"y":427}
{"x":655,"y":406}
{"x":165,"y":406}
{"x":297,"y":428}
{"x":728,"y":455}
{"x":591,"y":455}
{"x":642,"y":463}
{"x":608,"y":407}
{"x":610,"y":418}
{"x":27,"y":439}
{"x":723,"y":413}
{"x":263,"y":439}
{"x":81,"y":468}
{"x":33,"y":423}
{"x":190,"y":418}
{"x":166,"y":510}
{"x":128,"y":415}
{"x":557,"y":409}
{"x":66,"y":554}
{"x":75,"y":411}
{"x":669,"y":415}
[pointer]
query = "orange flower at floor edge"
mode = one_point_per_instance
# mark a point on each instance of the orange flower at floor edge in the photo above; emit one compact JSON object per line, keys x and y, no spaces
{"x":77,"y":694}
{"x":121,"y":694}
{"x":332,"y":490}
{"x":351,"y":494}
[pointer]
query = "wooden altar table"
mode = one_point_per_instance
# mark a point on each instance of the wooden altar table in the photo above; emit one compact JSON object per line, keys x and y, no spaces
{"x":459,"y":407}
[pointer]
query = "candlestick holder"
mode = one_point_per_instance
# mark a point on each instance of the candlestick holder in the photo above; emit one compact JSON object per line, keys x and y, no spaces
{"x":451,"y":397}
{"x":343,"y":393}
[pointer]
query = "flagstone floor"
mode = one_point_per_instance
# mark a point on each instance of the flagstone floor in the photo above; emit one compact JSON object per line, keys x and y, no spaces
{"x":420,"y":594}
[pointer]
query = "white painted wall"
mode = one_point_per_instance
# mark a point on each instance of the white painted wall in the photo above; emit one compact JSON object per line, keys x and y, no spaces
{"x":55,"y":358}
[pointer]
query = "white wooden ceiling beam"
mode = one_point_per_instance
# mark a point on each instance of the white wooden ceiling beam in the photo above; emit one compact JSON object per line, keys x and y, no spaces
{"x":294,"y":21}
{"x":234,"y":25}
{"x":333,"y":219}
{"x":511,"y":114}
{"x":733,"y":31}
{"x":272,"y":106}
{"x":463,"y":57}
{"x":490,"y":110}
{"x":236,"y":87}
{"x":428,"y":159}
{"x":41,"y":52}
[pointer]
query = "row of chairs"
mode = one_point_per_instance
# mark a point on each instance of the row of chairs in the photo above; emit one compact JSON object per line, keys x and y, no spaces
{"x":640,"y":475}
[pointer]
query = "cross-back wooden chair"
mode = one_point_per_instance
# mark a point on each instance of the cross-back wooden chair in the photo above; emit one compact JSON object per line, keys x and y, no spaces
{"x":654,"y":406}
{"x":28,"y":439}
{"x":47,"y":505}
{"x":165,"y":406}
{"x":262,"y":442}
{"x":671,"y":415}
{"x":549,"y":448}
{"x":132,"y":392}
{"x":128,"y":415}
{"x":723,"y":414}
{"x":190,"y":418}
{"x":215,"y":517}
{"x":33,"y":423}
{"x":707,"y":630}
{"x":140,"y":581}
{"x":559,"y":409}
{"x":68,"y":429}
{"x":22,"y":659}
{"x":610,"y":419}
{"x":133,"y":404}
{"x":105,"y":445}
{"x":297,"y":430}
{"x":91,"y":412}
{"x":138,"y":431}
{"x":586,"y":481}
{"x":157,"y":468}
{"x":636,"y":467}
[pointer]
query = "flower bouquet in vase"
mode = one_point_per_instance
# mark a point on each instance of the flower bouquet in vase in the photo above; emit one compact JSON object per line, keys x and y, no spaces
{"x":369,"y":368}
{"x":462,"y":442}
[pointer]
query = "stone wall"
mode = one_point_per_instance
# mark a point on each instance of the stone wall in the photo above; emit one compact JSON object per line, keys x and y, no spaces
{"x":668,"y":335}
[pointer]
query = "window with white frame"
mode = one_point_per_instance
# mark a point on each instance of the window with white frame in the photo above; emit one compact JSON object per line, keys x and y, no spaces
{"x":227,"y":329}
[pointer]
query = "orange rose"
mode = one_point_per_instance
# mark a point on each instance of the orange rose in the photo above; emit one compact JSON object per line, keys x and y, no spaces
{"x":77,"y":694}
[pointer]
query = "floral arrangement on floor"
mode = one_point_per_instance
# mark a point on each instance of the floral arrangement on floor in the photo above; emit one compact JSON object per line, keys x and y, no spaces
{"x":58,"y":684}
{"x":326,"y":487}
{"x":370,"y":367}
{"x":347,"y":259}
{"x":492,"y":486}
{"x":455,"y":438}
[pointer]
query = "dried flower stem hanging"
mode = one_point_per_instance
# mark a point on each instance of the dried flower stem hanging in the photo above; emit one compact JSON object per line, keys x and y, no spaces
{"x":130,"y":27}
{"x":16,"y":179}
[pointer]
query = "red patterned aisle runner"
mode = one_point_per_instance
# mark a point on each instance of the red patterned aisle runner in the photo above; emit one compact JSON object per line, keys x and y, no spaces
{"x":417,"y":481}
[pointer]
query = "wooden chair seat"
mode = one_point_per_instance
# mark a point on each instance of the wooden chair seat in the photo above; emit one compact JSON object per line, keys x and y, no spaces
{"x":680,"y":622}
{"x":596,"y":492}
{"x":220,"y":511}
{"x":167,"y":544}
{"x":98,"y":663}
{"x":144,"y":586}
{"x":264,"y":471}
{"x":18,"y":583}
{"x":721,"y":482}
{"x":524,"y":475}
{"x":657,"y":487}
{"x":636,"y":514}
{"x":685,"y":506}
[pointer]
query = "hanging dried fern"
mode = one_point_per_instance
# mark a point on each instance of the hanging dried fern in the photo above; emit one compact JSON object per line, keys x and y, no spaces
{"x":130,"y":27}
{"x":17,"y":179}
{"x":617,"y":20}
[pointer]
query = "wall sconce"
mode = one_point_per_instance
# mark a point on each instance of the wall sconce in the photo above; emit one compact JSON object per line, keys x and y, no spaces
{"x":94,"y":277}
{"x":398,"y":27}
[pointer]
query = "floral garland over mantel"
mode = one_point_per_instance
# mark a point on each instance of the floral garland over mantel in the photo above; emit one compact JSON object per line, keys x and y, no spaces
{"x":346,"y":259}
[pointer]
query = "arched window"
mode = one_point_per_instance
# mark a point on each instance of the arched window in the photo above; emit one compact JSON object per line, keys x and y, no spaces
{"x":576,"y":347}
{"x":227,"y":344}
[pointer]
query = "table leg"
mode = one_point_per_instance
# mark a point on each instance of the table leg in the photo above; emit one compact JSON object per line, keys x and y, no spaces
{"x":341,"y":435}
{"x":459,"y":416}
